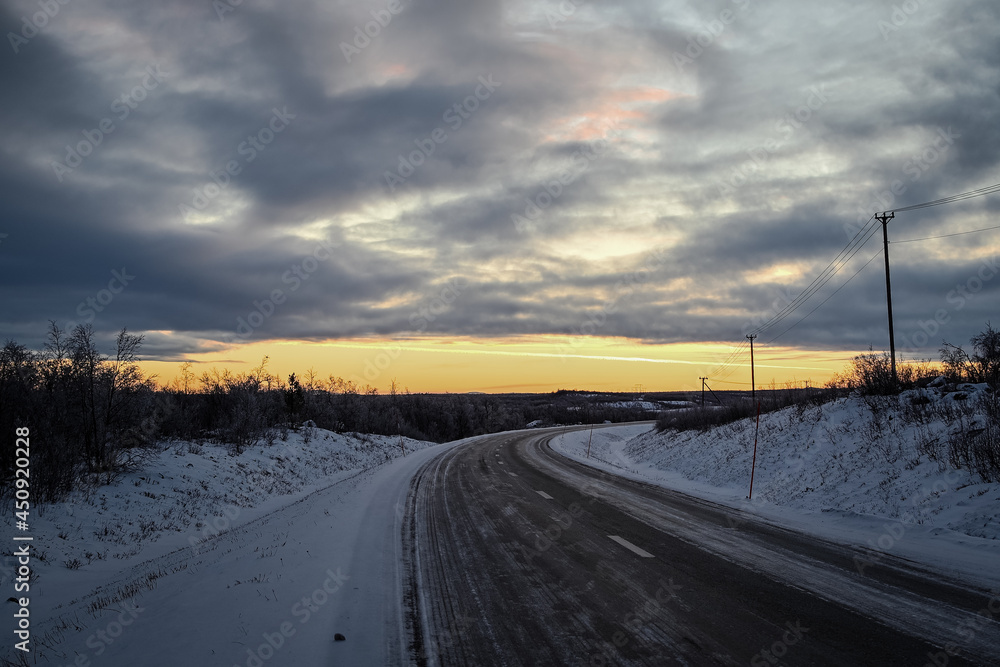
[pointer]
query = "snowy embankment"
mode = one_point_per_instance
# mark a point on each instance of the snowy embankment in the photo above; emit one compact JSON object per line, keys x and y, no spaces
{"x":203,"y":558}
{"x":873,"y":473}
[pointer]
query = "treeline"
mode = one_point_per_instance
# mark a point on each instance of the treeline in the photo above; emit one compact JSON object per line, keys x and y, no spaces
{"x":85,"y":410}
{"x":242,"y":410}
{"x":93,"y":416}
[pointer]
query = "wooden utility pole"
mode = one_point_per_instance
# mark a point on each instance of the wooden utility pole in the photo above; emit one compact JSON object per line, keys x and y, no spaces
{"x":884,"y":219}
{"x":707,"y":386}
{"x":702,"y":391}
{"x":753,"y":383}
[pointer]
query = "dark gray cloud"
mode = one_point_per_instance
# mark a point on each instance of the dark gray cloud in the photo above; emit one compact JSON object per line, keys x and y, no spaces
{"x":743,"y":141}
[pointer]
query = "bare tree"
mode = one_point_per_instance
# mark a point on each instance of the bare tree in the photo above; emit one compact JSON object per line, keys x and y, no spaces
{"x":86,"y":362}
{"x":956,"y":362}
{"x":986,"y":355}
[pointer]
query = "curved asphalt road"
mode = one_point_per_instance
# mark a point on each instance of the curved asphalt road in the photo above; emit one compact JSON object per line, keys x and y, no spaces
{"x":515,"y":555}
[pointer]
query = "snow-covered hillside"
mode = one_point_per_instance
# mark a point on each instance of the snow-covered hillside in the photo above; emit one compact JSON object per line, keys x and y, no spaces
{"x":189,"y":492}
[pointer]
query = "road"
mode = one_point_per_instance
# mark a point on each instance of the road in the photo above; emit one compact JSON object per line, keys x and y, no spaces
{"x":515,"y":555}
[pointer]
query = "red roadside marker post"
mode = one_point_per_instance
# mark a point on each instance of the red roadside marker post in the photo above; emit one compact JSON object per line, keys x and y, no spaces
{"x":753,"y":466}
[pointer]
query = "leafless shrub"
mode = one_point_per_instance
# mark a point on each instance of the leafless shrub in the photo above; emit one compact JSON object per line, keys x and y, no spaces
{"x":870,"y":374}
{"x":983,"y":365}
{"x":916,"y":409}
{"x":975,"y":444}
{"x":928,"y":445}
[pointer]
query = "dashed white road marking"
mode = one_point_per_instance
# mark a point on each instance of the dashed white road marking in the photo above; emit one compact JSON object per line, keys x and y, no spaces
{"x":631,"y":547}
{"x":512,"y":474}
{"x":544,"y":495}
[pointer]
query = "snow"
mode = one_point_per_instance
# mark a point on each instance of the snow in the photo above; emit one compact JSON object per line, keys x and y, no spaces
{"x":280,"y":546}
{"x":637,"y":404}
{"x":842,"y":471}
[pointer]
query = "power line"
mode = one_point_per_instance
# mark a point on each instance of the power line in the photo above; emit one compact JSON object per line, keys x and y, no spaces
{"x":944,"y":236}
{"x":843,"y":257}
{"x":839,"y":261}
{"x":819,"y":281}
{"x":731,"y":364}
{"x":737,"y":357}
{"x":816,"y":286}
{"x":827,"y":298}
{"x":926,"y":238}
{"x":981,"y":192}
{"x":732,"y":358}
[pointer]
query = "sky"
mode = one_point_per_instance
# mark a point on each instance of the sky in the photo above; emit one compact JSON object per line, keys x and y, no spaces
{"x":498,"y":196}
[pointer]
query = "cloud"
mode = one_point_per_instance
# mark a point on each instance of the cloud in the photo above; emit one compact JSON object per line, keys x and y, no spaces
{"x":730,"y":143}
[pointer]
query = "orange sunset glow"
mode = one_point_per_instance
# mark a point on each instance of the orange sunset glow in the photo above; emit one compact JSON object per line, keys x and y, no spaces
{"x":538,"y":365}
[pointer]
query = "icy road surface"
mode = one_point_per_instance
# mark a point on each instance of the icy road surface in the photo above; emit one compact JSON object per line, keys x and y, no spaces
{"x":518,"y":556}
